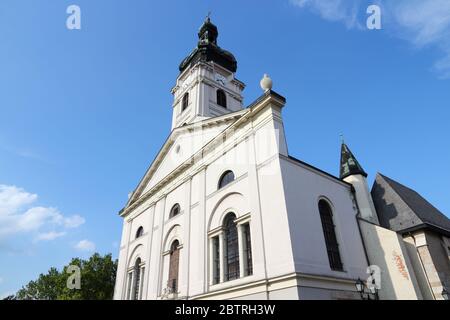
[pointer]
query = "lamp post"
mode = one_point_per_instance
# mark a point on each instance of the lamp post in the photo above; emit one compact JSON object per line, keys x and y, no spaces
{"x":365,"y":291}
{"x":360,"y":287}
{"x":445,"y":294}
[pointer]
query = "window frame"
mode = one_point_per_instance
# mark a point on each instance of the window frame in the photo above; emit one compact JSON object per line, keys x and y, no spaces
{"x":231,"y":248}
{"x":185,"y":101}
{"x":330,"y":235}
{"x":172,"y":212}
{"x":216,"y":259}
{"x":247,"y":247}
{"x":221,"y":98}
{"x":139,"y":232}
{"x":136,"y":286}
{"x":173,"y":282}
{"x":222,"y":183}
{"x":129,"y":285}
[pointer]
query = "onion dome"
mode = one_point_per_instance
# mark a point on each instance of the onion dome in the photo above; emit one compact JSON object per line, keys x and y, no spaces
{"x":207,"y":50}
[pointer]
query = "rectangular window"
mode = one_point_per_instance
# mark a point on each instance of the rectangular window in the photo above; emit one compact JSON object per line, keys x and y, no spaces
{"x":231,"y":248}
{"x":137,"y":283}
{"x":248,"y":250}
{"x":232,"y":255}
{"x":332,"y":246}
{"x":130,"y":280}
{"x":142,"y":282}
{"x":173,"y":267}
{"x":216,"y":260}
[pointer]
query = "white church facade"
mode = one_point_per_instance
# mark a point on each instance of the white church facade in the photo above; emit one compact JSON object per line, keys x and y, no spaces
{"x":224,"y":212}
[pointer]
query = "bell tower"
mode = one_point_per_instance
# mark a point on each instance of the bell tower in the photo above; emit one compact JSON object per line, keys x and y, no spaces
{"x":206,"y":86}
{"x":352,"y":172}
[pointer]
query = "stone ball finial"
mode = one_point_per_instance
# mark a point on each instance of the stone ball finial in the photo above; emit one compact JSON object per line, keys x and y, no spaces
{"x":266,"y":83}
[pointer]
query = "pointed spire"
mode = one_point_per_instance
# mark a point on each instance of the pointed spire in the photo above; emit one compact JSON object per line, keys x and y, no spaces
{"x":349,"y":165}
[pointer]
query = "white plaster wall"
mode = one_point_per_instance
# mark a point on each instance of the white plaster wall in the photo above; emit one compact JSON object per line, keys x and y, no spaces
{"x":202,"y":86}
{"x":188,"y":144}
{"x":195,"y":190}
{"x":303,"y":189}
{"x":309,"y":293}
{"x":269,"y":135}
{"x":363,"y":197}
{"x":196,"y":267}
{"x":256,"y":296}
{"x":235,"y":160}
{"x":385,"y":249}
{"x":155,"y":261}
{"x":280,"y":197}
{"x":131,"y":248}
{"x":277,"y":245}
{"x":418,"y":269}
{"x":118,"y":287}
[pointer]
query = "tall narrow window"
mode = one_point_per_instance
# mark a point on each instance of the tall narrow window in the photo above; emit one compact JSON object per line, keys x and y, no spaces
{"x":231,"y":247}
{"x":174,"y":211}
{"x":226,"y":178}
{"x":185,"y":102}
{"x":139,"y":232}
{"x":329,"y":231}
{"x":137,"y":279}
{"x":173,"y":266}
{"x":247,"y":249}
{"x":221,"y":98}
{"x":216,"y":260}
{"x":142,"y":282}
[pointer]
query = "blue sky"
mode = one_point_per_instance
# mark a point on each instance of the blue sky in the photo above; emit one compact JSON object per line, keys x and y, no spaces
{"x":83,"y":112}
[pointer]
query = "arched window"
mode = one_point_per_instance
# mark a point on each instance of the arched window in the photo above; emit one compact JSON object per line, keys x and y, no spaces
{"x":231,"y":248}
{"x":329,"y":231}
{"x":185,"y":102}
{"x":226,"y":178}
{"x":221,"y":98}
{"x":139,"y":232}
{"x":137,"y":279}
{"x":175,"y":210}
{"x":173,"y":266}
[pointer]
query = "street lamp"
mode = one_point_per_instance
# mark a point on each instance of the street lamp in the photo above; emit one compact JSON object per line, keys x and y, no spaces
{"x":366,"y":291}
{"x":359,"y":286}
{"x":444,"y":293}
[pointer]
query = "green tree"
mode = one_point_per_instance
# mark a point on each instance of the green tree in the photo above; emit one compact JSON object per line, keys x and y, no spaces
{"x":98,"y":275}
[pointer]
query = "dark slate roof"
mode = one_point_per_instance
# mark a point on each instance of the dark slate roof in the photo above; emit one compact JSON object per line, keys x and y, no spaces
{"x":402,"y":209}
{"x":207,"y":50}
{"x":349,"y":164}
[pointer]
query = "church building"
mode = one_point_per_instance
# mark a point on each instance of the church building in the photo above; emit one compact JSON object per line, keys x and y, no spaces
{"x":225,"y":212}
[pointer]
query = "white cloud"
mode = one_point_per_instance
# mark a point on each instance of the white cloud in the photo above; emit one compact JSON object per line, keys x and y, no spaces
{"x":18,"y":216}
{"x":425,"y":22}
{"x":49,"y":236}
{"x":13,"y":198}
{"x":420,"y":22}
{"x":85,"y":245}
{"x":74,"y":221}
{"x":345,"y":11}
